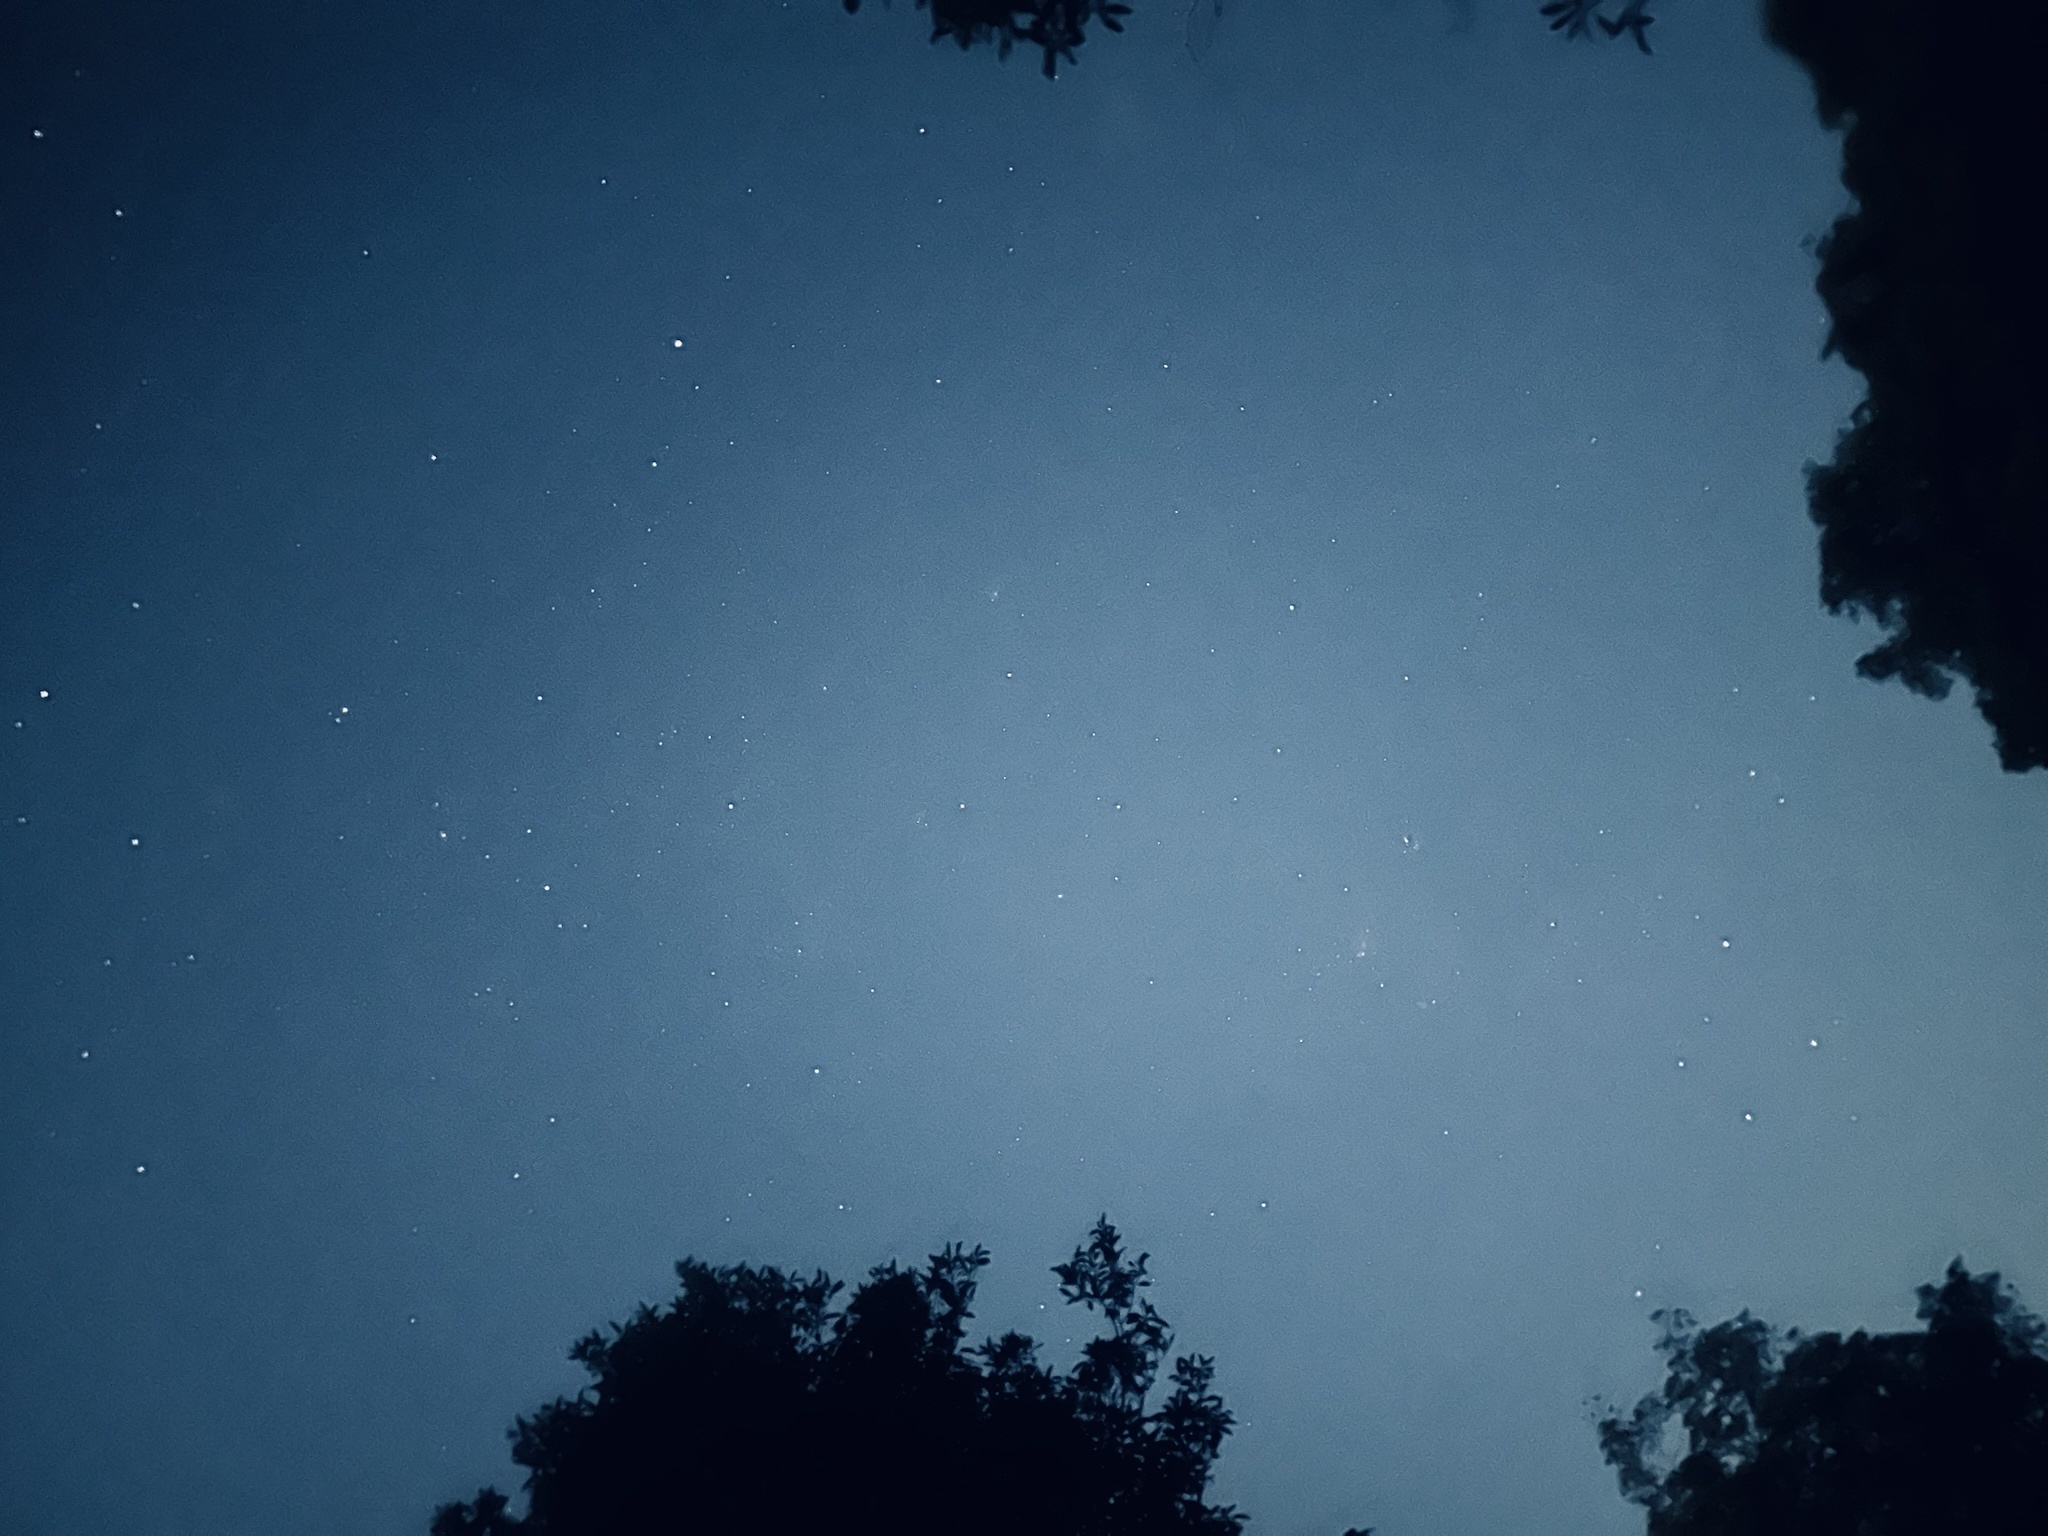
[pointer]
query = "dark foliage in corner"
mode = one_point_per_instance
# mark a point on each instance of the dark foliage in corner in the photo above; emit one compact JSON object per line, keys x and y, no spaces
{"x":1937,"y":1433}
{"x":753,"y":1403}
{"x":1934,"y":511}
{"x":1055,"y":27}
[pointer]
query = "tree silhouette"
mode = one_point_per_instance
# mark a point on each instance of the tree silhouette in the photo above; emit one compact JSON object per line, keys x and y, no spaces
{"x":1934,"y":510}
{"x":1575,"y":18}
{"x":1937,"y":1433}
{"x":753,"y":1403}
{"x":1933,"y":513}
{"x":1055,"y":27}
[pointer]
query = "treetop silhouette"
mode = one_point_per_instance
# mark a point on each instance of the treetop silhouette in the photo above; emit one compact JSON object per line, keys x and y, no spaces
{"x":752,"y":1402}
{"x":1058,"y":27}
{"x":1054,"y":27}
{"x":1758,"y":1433}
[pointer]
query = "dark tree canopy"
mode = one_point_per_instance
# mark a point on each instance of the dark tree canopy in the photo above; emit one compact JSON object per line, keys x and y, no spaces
{"x":1936,"y":1433}
{"x":1576,"y":18}
{"x":1934,"y":511}
{"x":1055,"y":27}
{"x":753,"y":1403}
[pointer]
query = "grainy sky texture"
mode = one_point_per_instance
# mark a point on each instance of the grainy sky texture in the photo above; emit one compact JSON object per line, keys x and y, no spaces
{"x":631,"y":630}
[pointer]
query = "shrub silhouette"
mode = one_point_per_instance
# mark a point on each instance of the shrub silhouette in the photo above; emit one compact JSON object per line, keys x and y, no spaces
{"x":751,"y":1403}
{"x":1937,"y":1433}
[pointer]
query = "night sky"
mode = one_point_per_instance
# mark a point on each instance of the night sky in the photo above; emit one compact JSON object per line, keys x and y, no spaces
{"x":631,"y":630}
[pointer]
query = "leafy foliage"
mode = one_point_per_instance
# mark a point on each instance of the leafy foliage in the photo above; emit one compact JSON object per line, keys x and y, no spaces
{"x":1575,"y":18}
{"x":752,"y":1402}
{"x":1055,"y":27}
{"x":1937,"y":1433}
{"x":1934,"y":511}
